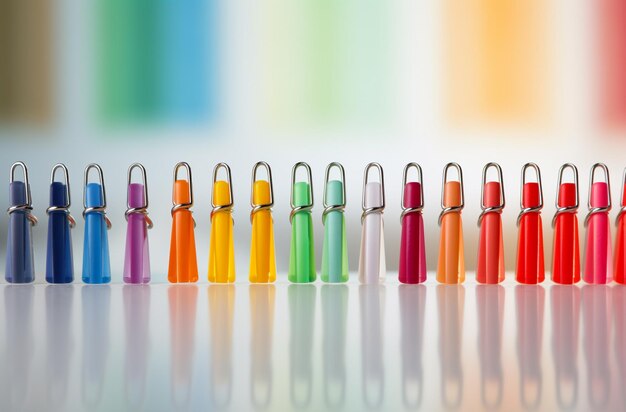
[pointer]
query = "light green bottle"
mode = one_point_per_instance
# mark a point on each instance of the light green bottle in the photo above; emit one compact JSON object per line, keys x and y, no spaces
{"x":335,"y":249}
{"x":302,"y":257}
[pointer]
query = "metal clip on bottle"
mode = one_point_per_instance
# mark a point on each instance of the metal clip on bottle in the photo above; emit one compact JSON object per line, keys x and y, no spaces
{"x":302,"y":256}
{"x":335,"y":249}
{"x":59,"y":261}
{"x":96,"y":261}
{"x":412,"y":268}
{"x":372,"y":267}
{"x":222,"y":248}
{"x":490,"y":245}
{"x":19,"y":265}
{"x":451,"y":265}
{"x":137,"y":257}
{"x":598,"y":260}
{"x":183,"y":267}
{"x":620,"y":238}
{"x":566,"y":253}
{"x":262,"y":254}
{"x":530,"y":258}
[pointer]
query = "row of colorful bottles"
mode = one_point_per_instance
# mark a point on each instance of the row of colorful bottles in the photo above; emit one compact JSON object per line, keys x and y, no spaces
{"x":183,"y":266}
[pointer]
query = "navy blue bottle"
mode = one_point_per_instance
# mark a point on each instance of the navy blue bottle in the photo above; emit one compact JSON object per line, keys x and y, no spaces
{"x":59,"y":261}
{"x":19,"y":263}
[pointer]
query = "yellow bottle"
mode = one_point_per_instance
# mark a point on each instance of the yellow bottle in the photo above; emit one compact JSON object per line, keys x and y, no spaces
{"x":262,"y":256}
{"x":222,"y":248}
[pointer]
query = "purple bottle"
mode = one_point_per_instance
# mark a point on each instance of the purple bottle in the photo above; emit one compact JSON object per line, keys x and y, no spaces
{"x":137,"y":259}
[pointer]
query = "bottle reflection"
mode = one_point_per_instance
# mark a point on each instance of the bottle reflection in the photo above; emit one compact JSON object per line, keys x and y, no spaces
{"x":221,"y":316}
{"x":59,"y":342}
{"x":451,"y":306}
{"x":372,"y":304}
{"x":619,"y":311}
{"x":137,"y":325}
{"x":529,"y":303}
{"x":182,"y":305}
{"x":490,"y":302}
{"x":95,"y":302}
{"x":412,"y":307}
{"x":565,"y":301}
{"x":262,"y":318}
{"x":334,"y":314}
{"x":20,"y":343}
{"x":596,"y":323}
{"x":302,"y":320}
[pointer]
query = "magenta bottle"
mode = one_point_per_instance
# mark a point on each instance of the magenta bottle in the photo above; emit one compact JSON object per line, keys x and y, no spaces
{"x":412,"y":267}
{"x":137,"y":258}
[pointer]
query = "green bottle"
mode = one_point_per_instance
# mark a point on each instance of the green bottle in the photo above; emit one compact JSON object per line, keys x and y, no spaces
{"x":302,"y":257}
{"x":335,"y":249}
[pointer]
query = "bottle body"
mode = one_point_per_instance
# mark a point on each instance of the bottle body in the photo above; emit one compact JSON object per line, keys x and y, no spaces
{"x":222,"y":247}
{"x":20,"y":267}
{"x":412,"y":267}
{"x":335,"y":249}
{"x":490,"y":268}
{"x":262,"y":253}
{"x":59,"y":259}
{"x":451,"y":264}
{"x":137,"y":257}
{"x":302,"y":256}
{"x":620,"y":251}
{"x":183,"y":264}
{"x":96,"y":260}
{"x":566,"y":250}
{"x":598,"y":264}
{"x":372,"y":264}
{"x":529,"y":268}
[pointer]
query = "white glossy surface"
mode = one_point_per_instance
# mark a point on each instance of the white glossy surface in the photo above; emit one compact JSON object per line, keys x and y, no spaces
{"x":313,"y":347}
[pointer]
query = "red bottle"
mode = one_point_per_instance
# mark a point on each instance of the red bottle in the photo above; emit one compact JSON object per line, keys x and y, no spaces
{"x":490,"y":247}
{"x":530,"y":259}
{"x":598,"y":259}
{"x":566,"y":254}
{"x":620,"y":239}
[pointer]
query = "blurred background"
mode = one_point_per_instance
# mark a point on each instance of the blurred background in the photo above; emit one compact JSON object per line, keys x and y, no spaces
{"x":157,"y":82}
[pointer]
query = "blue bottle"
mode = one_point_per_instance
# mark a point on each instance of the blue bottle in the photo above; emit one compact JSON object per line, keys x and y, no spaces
{"x":59,"y":261}
{"x":19,"y":263}
{"x":96,"y":261}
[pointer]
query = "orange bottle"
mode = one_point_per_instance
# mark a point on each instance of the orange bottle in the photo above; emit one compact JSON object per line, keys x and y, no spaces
{"x":183,"y":267}
{"x":451,"y":265}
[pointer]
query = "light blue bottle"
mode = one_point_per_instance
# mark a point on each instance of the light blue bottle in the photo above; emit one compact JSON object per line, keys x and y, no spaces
{"x":96,"y":260}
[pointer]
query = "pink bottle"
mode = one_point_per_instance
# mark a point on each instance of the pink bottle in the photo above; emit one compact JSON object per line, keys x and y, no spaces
{"x":412,"y":268}
{"x":598,"y":267}
{"x":137,"y":259}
